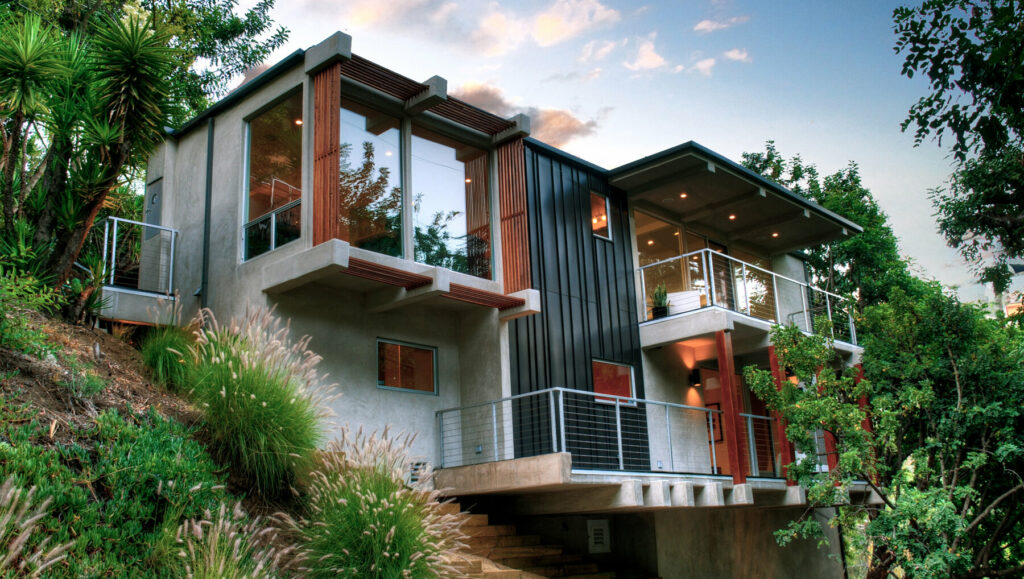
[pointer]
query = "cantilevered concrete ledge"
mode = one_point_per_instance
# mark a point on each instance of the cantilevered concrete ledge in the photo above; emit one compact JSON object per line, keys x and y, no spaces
{"x":392,"y":298}
{"x":666,"y":331}
{"x":435,"y":93}
{"x":328,"y":258}
{"x":531,"y":297}
{"x":533,"y":474}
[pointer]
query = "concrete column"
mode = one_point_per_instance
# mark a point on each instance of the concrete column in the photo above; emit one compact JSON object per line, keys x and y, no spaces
{"x":732,"y":405}
{"x":786,"y":453}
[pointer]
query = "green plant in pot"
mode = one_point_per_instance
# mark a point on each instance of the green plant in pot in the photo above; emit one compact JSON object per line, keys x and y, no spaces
{"x":659,"y":301}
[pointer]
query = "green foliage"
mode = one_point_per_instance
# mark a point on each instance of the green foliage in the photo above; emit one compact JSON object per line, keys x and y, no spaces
{"x":81,"y":380}
{"x":164,"y":351}
{"x":947,"y":410}
{"x":660,"y":297}
{"x":972,"y":49}
{"x":259,"y":394}
{"x":866,"y":265}
{"x":17,"y":294}
{"x":363,"y":519}
{"x":116,"y":494}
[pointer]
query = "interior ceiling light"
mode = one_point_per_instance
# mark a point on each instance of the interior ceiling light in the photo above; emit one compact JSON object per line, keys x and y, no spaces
{"x":594,"y":220}
{"x":468,"y":180}
{"x":732,"y":217}
{"x":650,"y":242}
{"x":775,"y":234}
{"x":387,"y":153}
{"x":683,"y":195}
{"x":604,"y":218}
{"x":298,"y":122}
{"x":676,"y":234}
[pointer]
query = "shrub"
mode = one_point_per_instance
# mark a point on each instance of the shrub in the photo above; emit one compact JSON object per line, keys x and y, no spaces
{"x":130,"y":481}
{"x":20,"y":292}
{"x":164,"y":351}
{"x":363,"y":520}
{"x":232,"y":546}
{"x":81,"y":380}
{"x":18,"y":518}
{"x":261,"y":397}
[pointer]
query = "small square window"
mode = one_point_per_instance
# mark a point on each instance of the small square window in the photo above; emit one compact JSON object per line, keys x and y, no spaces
{"x":612,"y":379}
{"x":406,"y":366}
{"x":599,"y":216}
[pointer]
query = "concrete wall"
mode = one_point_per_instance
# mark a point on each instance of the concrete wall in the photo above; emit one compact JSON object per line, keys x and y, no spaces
{"x":471,"y":345}
{"x":667,"y":379}
{"x":730,"y":543}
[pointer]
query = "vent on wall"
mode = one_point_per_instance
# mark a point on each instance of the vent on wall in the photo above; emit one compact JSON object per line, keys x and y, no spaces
{"x":598,"y":536}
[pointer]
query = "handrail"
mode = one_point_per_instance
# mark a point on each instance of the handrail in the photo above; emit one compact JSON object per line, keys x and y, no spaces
{"x":584,"y":392}
{"x":143,"y":224}
{"x":713,"y":253}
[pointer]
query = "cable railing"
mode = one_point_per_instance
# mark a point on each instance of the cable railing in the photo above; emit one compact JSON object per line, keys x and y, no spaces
{"x":707,"y":278}
{"x":601,"y":431}
{"x":138,"y":256}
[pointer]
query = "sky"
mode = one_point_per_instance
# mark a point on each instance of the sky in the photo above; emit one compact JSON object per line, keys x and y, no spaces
{"x":612,"y":81}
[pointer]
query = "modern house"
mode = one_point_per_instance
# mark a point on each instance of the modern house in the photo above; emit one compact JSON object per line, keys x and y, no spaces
{"x":565,"y":340}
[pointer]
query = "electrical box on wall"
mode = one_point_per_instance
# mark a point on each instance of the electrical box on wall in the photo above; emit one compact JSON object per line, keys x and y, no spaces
{"x":599,"y":537}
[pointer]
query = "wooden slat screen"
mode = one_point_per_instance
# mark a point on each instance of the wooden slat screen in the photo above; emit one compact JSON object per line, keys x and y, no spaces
{"x":326,"y":152}
{"x":515,"y":244}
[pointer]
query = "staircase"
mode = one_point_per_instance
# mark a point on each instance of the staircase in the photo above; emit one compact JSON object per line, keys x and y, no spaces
{"x":499,"y":552}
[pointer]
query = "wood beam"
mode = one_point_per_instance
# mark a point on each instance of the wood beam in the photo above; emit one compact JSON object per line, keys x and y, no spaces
{"x":723,"y":204}
{"x":731,"y":407}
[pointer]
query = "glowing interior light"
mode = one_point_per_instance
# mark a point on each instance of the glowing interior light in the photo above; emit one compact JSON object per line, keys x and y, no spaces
{"x":650,"y":242}
{"x":732,"y":217}
{"x":775,"y":234}
{"x":468,"y":180}
{"x":298,"y":122}
{"x":682,"y":195}
{"x":387,"y":153}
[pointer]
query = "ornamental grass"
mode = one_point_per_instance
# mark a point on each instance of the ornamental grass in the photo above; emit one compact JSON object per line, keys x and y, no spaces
{"x":22,"y":554}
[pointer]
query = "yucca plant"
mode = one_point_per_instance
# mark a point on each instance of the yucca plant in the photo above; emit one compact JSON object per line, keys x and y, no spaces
{"x":231,"y":545}
{"x":364,"y":519}
{"x":20,"y":554}
{"x":262,"y":397}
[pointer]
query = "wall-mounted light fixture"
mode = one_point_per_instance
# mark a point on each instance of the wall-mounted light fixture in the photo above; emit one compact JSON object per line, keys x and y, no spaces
{"x":695,"y":378}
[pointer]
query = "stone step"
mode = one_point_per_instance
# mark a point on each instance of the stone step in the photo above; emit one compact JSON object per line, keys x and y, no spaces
{"x":450,"y":508}
{"x":489,"y":531}
{"x":475,"y":521}
{"x":502,"y":541}
{"x":545,"y":561}
{"x":567,"y":570}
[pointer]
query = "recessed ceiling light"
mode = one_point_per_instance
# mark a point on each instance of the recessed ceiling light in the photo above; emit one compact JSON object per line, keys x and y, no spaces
{"x":775,"y":234}
{"x":650,"y":242}
{"x":683,"y":195}
{"x":298,"y":122}
{"x":387,"y":153}
{"x":676,"y":233}
{"x":732,"y":217}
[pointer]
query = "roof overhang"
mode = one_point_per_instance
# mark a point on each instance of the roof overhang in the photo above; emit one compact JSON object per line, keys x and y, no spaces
{"x":695,"y":186}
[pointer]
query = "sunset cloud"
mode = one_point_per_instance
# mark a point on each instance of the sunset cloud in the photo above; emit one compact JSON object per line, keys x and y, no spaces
{"x":567,"y":18}
{"x":555,"y":127}
{"x":706,"y":26}
{"x":647,"y":58}
{"x":599,"y":49}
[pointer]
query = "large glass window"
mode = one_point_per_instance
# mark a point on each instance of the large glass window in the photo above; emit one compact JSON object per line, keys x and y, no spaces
{"x":369,"y":186}
{"x":406,"y":366}
{"x":273,"y":185}
{"x":451,"y":213}
{"x":657,"y":242}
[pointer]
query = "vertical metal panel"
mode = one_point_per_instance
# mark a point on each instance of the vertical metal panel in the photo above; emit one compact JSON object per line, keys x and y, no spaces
{"x":326,"y":152}
{"x":588,"y":301}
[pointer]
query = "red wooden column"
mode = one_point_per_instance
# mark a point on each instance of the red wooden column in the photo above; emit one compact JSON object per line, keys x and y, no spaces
{"x":863,"y":402}
{"x":787,"y":455}
{"x":732,"y":405}
{"x":326,"y":152}
{"x":831,"y":454}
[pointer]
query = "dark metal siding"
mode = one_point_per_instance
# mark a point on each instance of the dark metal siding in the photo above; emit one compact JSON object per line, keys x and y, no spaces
{"x":588,"y":308}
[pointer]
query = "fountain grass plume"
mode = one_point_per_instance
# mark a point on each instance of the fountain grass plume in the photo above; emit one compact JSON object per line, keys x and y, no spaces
{"x":20,"y":555}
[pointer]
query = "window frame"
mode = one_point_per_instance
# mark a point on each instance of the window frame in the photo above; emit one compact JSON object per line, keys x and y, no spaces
{"x":607,"y":212}
{"x":433,"y":350}
{"x":612,"y":401}
{"x":247,"y":165}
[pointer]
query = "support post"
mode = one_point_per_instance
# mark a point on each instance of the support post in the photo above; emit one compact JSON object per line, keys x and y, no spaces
{"x":731,"y":406}
{"x":788,"y":455}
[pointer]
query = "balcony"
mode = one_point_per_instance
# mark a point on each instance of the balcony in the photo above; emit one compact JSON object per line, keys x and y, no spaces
{"x":707,"y":279}
{"x":138,"y":265}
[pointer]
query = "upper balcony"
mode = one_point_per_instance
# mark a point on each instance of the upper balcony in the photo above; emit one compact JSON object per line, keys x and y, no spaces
{"x":707,"y":280}
{"x":138,"y":271}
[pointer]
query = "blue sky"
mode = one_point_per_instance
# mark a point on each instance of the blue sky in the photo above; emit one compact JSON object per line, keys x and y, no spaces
{"x":613,"y":81}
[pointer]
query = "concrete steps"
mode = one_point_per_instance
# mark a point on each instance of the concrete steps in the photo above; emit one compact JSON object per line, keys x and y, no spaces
{"x":500,"y":552}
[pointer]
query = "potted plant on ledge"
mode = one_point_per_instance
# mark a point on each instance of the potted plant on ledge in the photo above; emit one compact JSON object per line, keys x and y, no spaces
{"x":659,"y":302}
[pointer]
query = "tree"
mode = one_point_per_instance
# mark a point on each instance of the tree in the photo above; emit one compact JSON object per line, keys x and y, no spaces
{"x":866,"y":265}
{"x":945,"y":451}
{"x":972,"y":49}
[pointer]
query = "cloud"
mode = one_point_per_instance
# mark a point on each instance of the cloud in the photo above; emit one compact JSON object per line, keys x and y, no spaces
{"x":575,"y":75}
{"x":707,"y":26}
{"x":647,"y":58}
{"x":599,"y":49}
{"x":498,"y":33}
{"x":567,"y":18}
{"x":738,"y":54}
{"x":553,"y":126}
{"x":704,"y":66}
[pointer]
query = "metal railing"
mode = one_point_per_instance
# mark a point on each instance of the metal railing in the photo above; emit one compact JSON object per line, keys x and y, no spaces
{"x":138,"y":256}
{"x":272,"y":230}
{"x":707,"y":278}
{"x":601,"y":431}
{"x":764,"y":459}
